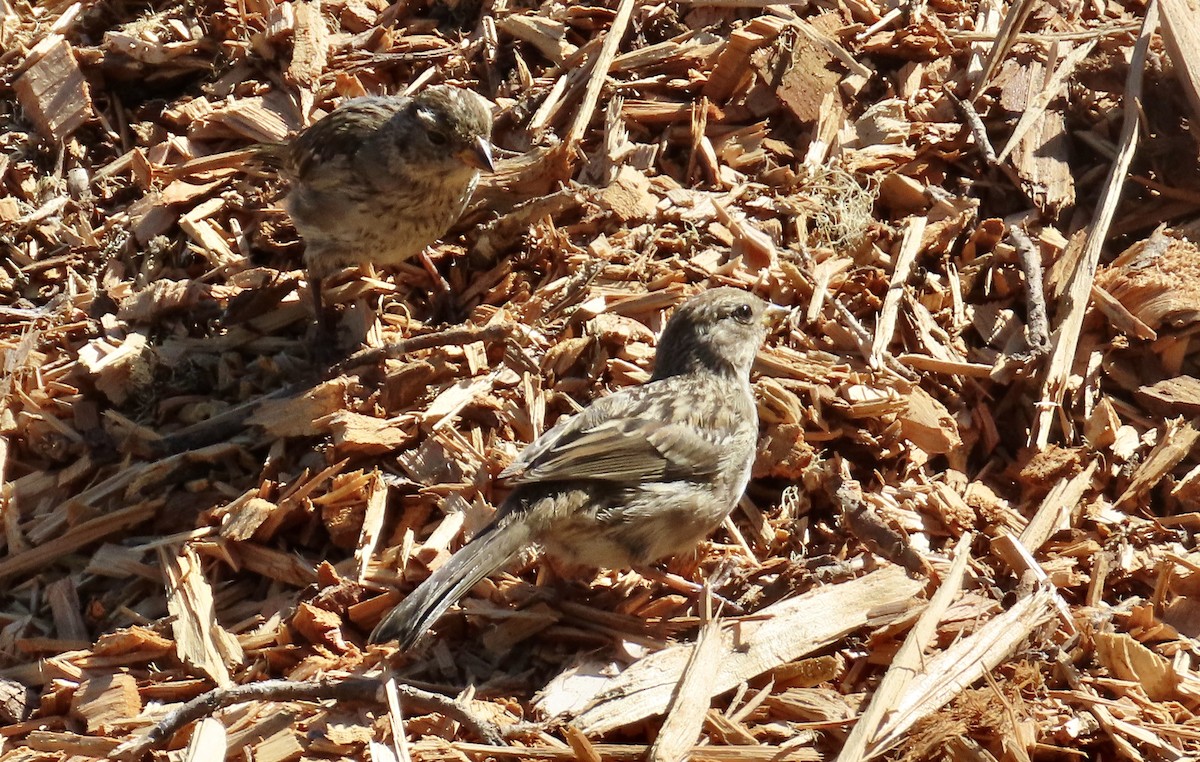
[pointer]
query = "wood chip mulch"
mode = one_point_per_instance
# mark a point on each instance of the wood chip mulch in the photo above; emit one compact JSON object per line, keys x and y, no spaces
{"x":971,"y":532}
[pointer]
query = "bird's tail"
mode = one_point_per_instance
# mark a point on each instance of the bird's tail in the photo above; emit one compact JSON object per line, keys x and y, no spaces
{"x":487,"y":552}
{"x":271,"y":157}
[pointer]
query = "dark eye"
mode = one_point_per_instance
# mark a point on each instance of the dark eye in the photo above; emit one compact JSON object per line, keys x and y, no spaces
{"x":438,"y":138}
{"x":742,"y":313}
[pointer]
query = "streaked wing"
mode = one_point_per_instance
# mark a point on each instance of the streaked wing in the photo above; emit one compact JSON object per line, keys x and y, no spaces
{"x":340,"y":134}
{"x":620,"y":438}
{"x":539,"y":447}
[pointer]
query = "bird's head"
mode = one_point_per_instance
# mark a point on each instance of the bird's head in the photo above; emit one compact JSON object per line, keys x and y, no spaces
{"x":456,"y":126}
{"x":719,"y":331}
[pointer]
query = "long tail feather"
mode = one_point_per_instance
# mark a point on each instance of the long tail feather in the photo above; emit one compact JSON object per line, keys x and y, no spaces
{"x":484,"y":554}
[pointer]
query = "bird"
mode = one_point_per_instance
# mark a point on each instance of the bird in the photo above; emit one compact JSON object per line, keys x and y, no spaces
{"x":380,"y":178}
{"x":644,"y":473}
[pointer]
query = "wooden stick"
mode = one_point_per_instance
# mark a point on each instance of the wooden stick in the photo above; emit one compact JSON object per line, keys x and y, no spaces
{"x":975,"y":123}
{"x":1075,"y":301}
{"x":1005,"y":38}
{"x":886,"y":326}
{"x":457,"y":336}
{"x":608,"y":51}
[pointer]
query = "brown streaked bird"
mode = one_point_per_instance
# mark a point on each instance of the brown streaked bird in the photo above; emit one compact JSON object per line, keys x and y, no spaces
{"x":638,"y":475}
{"x":380,"y":178}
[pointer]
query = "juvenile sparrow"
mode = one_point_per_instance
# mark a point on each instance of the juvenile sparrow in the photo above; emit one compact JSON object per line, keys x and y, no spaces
{"x":639,"y":475}
{"x":382,"y":177}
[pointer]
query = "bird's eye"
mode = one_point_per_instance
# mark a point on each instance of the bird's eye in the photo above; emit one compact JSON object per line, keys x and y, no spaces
{"x":742,"y":313}
{"x":438,"y":138}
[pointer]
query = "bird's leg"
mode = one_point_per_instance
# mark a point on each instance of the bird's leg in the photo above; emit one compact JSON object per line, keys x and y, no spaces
{"x":440,"y":283}
{"x":314,"y":289}
{"x":325,"y":348}
{"x":444,"y":308}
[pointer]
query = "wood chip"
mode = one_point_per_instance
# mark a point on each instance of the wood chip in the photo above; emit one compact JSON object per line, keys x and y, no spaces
{"x":53,"y":91}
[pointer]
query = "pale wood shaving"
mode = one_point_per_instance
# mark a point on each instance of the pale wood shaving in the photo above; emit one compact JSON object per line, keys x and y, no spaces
{"x":200,"y":639}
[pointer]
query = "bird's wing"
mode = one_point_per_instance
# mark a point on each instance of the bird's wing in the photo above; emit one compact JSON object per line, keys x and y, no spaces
{"x":339,"y":135}
{"x":619,"y":438}
{"x":538,"y":447}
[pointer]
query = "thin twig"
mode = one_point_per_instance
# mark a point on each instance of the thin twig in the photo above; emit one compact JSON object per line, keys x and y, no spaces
{"x":457,"y":336}
{"x":975,"y":123}
{"x":368,"y":689}
{"x":1037,"y":328}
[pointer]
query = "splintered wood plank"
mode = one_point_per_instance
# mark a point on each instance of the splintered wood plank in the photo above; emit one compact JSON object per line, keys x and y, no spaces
{"x":1054,"y":514}
{"x":599,"y":72}
{"x":1042,"y":162}
{"x":1157,"y":280}
{"x":549,"y":36}
{"x":1180,"y":394}
{"x":68,"y":616}
{"x":1178,"y":440}
{"x":1075,"y":301}
{"x":53,"y":92}
{"x":62,"y":743}
{"x":776,"y":635}
{"x":243,"y":517}
{"x":928,"y":424}
{"x":302,"y":415}
{"x":732,"y":65}
{"x":948,"y":672}
{"x":10,"y":210}
{"x":808,"y":87}
{"x":310,"y":50}
{"x":283,"y":746}
{"x":212,"y":241}
{"x":1181,"y":33}
{"x":276,"y":564}
{"x":132,"y":643}
{"x":1127,"y":659}
{"x":15,"y":701}
{"x":902,"y":270}
{"x":907,"y":663}
{"x":264,"y":119}
{"x":1043,"y":94}
{"x":372,"y":524}
{"x":690,"y":704}
{"x":207,"y":741}
{"x":200,"y":640}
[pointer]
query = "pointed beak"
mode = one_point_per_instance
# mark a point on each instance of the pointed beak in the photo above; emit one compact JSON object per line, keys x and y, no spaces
{"x":479,"y":155}
{"x":774,"y":315}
